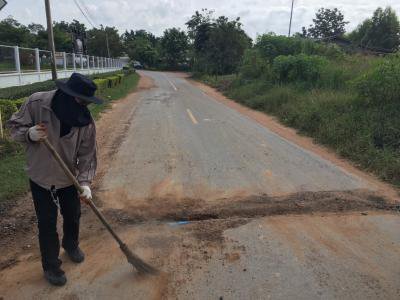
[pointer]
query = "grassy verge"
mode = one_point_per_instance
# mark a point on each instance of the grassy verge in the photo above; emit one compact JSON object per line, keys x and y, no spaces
{"x":14,"y":181}
{"x":365,"y":132}
{"x":127,"y":85}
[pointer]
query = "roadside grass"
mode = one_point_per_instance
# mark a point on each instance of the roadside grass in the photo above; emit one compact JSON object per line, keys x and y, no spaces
{"x":13,"y":178}
{"x":14,"y":181}
{"x":365,"y":132}
{"x":127,"y":85}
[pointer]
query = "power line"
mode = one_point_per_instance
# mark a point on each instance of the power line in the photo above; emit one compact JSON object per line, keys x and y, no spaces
{"x":87,"y":10}
{"x":83,"y":13}
{"x":90,"y":21}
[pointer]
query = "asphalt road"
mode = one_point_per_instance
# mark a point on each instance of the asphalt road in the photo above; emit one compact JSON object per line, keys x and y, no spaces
{"x":192,"y":145}
{"x":185,"y":154}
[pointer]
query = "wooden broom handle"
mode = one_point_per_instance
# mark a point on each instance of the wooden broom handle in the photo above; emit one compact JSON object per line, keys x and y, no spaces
{"x":80,"y":189}
{"x":62,"y":164}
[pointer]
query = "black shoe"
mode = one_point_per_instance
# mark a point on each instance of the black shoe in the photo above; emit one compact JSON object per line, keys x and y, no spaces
{"x":55,"y":277}
{"x":76,"y":255}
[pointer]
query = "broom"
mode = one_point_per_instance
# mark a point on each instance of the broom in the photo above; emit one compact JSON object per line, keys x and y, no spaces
{"x":141,"y":266}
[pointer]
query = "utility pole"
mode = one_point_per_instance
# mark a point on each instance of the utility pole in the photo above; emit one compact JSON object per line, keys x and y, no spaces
{"x":108,"y":47}
{"x":50,"y":36}
{"x":291,"y":16}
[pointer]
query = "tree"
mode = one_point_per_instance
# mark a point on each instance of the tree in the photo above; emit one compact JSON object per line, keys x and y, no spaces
{"x":199,"y":27}
{"x":327,"y":23}
{"x":142,"y":46}
{"x":14,"y":33}
{"x":35,"y":28}
{"x":381,"y":32}
{"x":226,"y":45}
{"x":97,"y":41}
{"x":173,"y":46}
{"x":218,"y":44}
{"x":64,"y":33}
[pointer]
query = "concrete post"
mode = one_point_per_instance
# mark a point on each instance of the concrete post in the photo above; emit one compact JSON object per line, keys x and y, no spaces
{"x":88,"y":62}
{"x":65,"y":61}
{"x":37,"y":60}
{"x":16,"y":59}
{"x":98,"y":62}
{"x":73,"y":61}
{"x":81,"y":59}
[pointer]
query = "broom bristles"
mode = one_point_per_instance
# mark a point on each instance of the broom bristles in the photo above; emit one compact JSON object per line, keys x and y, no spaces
{"x":140,"y":265}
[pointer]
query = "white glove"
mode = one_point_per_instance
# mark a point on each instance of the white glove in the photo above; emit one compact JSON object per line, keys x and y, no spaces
{"x":37,"y":133}
{"x":87,"y":193}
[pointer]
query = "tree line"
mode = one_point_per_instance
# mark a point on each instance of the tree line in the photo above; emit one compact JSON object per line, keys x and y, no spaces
{"x":211,"y":44}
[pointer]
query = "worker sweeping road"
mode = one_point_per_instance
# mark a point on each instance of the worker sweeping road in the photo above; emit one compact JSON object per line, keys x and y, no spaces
{"x":63,"y":118}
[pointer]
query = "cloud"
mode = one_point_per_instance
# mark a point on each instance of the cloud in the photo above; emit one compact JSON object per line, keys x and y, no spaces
{"x":257,"y":16}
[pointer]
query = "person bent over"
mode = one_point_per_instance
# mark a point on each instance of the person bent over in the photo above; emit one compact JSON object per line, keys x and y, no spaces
{"x":62,"y":117}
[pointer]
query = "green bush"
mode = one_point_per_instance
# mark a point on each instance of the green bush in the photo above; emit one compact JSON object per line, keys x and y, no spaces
{"x":299,"y":68}
{"x":7,"y":108}
{"x":121,"y":77}
{"x":382,"y":82}
{"x":113,"y":81}
{"x":104,"y":75}
{"x":19,"y":102}
{"x":271,"y":46}
{"x":328,"y":50}
{"x":102,"y":85}
{"x":18,"y":92}
{"x":254,"y":66}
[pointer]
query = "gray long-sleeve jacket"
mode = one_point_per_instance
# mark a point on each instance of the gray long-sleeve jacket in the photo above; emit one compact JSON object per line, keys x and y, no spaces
{"x":77,"y":149}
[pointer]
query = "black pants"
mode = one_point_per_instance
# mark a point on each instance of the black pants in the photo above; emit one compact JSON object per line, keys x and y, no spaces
{"x":46,"y":212}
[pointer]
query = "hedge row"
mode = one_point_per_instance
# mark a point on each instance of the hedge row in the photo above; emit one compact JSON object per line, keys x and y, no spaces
{"x":109,"y":82}
{"x":18,"y":92}
{"x":9,"y":106}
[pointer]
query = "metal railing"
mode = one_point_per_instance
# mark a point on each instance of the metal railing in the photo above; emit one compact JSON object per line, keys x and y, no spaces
{"x":19,"y":65}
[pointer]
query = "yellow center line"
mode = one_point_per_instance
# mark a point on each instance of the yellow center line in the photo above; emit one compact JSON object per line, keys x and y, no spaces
{"x":191,"y":116}
{"x":170,"y":82}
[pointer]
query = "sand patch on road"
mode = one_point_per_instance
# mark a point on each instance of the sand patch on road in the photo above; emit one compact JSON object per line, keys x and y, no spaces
{"x":170,"y":209}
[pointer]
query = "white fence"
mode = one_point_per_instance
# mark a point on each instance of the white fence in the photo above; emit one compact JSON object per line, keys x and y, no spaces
{"x":19,"y":66}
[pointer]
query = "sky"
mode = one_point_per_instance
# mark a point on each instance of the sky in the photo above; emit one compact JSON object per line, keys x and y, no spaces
{"x":257,"y":16}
